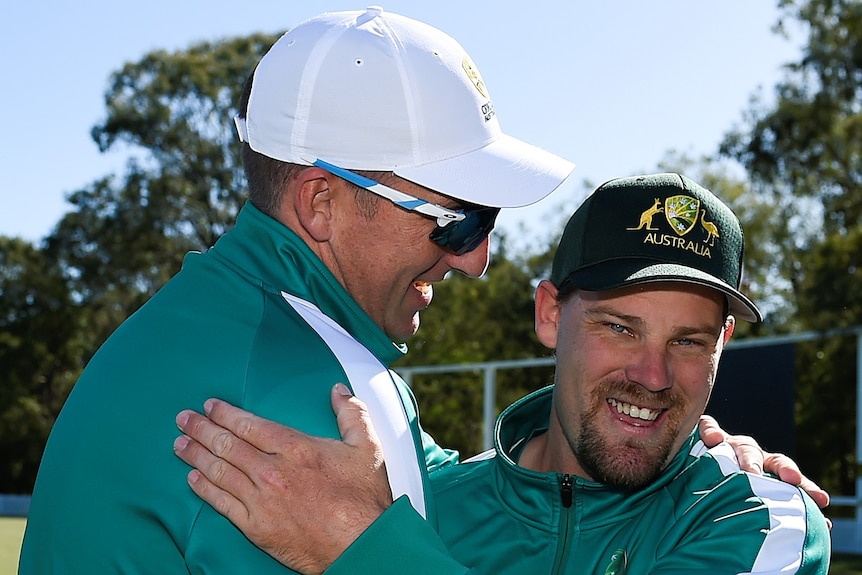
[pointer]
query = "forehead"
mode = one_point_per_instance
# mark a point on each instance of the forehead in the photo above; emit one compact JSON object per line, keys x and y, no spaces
{"x":659,"y":297}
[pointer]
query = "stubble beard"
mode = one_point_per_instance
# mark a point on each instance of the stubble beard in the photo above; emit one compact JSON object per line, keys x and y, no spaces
{"x":631,"y":464}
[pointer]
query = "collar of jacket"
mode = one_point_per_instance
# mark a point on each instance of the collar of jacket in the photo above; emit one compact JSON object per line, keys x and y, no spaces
{"x":270,"y":255}
{"x":537,"y":495}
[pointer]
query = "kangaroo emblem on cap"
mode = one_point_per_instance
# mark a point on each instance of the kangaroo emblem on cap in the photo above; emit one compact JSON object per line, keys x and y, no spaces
{"x":646,"y":217}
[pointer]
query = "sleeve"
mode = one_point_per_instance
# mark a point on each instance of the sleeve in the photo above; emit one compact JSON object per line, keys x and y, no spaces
{"x":750,"y":525}
{"x":399,"y":542}
{"x":437,"y":457}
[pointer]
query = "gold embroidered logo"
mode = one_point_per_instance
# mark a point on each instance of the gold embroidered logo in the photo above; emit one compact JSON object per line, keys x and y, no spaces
{"x":473,"y":74}
{"x":682,"y":213}
{"x":618,"y":564}
{"x":646,"y":217}
{"x":711,"y":229}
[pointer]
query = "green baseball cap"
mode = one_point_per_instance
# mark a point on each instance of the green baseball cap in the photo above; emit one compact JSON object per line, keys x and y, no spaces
{"x":654,"y":228}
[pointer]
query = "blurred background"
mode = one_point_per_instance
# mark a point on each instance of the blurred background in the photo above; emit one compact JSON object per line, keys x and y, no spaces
{"x":120,"y":156}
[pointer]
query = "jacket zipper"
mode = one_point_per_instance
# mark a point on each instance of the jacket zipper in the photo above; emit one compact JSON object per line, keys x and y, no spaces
{"x":564,"y":535}
{"x":566,"y":490}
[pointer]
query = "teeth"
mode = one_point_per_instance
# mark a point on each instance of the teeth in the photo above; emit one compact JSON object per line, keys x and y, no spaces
{"x":423,"y":287}
{"x":643,"y":413}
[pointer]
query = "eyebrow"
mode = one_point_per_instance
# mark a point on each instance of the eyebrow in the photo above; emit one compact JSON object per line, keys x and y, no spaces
{"x":637,"y":321}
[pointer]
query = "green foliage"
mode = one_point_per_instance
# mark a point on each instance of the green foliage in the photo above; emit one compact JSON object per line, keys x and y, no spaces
{"x":830,"y":295}
{"x":803,"y":154}
{"x":825,"y":417}
{"x":183,"y":186}
{"x":125,"y":235}
{"x":40,"y":351}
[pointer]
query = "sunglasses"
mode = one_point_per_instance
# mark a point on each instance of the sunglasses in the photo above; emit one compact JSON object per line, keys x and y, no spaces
{"x":458,"y":231}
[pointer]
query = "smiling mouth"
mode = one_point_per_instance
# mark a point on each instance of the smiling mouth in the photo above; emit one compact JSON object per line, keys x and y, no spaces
{"x":644,"y":413}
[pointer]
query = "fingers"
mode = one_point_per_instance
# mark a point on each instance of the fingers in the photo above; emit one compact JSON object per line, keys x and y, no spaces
{"x":209,"y":473}
{"x":354,"y":421}
{"x":748,"y":453}
{"x":786,"y":469}
{"x":710,"y":432}
{"x":220,"y":441}
{"x":197,"y":448}
{"x":265,"y":435}
{"x":219,"y":499}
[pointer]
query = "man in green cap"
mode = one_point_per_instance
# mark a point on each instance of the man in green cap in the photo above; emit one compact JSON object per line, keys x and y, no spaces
{"x":603,"y":472}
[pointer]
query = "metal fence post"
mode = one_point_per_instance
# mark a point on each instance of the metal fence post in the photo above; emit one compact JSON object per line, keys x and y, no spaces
{"x":489,"y":402}
{"x":859,"y":440}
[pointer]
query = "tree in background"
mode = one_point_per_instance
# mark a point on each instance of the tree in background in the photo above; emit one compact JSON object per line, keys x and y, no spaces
{"x":803,"y":154}
{"x":126,"y":234}
{"x":40,"y":349}
{"x":183,"y":185}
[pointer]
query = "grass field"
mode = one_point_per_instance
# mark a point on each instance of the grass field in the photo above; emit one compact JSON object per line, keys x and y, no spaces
{"x":12,"y":532}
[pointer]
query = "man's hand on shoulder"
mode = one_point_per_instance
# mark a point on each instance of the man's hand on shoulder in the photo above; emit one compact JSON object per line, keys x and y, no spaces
{"x":301,"y":499}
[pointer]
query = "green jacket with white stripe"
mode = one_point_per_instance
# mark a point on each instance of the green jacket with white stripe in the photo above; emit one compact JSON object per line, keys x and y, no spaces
{"x":702,"y":515}
{"x":260,"y":322}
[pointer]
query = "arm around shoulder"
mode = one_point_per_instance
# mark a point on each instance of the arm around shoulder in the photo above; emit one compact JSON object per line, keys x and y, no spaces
{"x":399,"y":542}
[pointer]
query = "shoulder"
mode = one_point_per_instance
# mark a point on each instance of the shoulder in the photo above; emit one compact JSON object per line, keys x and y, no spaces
{"x":773,"y":524}
{"x":469,"y":475}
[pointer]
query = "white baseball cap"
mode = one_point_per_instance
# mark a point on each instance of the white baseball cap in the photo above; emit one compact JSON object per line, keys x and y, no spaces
{"x":372,"y":90}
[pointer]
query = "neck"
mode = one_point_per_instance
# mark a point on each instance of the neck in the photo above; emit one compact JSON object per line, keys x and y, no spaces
{"x":542,"y":454}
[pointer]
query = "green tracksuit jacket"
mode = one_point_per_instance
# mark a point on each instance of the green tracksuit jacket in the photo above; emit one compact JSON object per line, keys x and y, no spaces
{"x":701,"y":516}
{"x":259,"y":321}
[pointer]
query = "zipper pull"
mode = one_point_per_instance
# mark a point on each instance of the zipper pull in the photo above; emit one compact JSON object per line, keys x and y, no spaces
{"x":566,"y":490}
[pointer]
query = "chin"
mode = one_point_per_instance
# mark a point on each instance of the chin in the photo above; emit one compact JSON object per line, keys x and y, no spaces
{"x":403,"y":331}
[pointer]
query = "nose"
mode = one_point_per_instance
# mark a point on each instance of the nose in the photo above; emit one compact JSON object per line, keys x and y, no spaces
{"x":650,"y":367}
{"x":474,"y":263}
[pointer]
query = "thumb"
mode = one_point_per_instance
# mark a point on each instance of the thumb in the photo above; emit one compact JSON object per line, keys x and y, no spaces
{"x":354,"y":421}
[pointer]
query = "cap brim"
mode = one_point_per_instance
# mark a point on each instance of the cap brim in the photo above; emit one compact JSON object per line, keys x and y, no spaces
{"x":620,"y":273}
{"x":507,"y":173}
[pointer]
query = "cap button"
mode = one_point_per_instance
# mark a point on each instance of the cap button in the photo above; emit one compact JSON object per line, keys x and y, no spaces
{"x":371,"y":13}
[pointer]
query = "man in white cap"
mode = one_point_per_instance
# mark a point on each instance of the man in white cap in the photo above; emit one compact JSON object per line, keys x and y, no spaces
{"x":376,"y":165}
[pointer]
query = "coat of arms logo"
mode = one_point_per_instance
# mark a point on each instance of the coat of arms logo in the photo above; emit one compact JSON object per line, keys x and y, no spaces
{"x":681,"y":213}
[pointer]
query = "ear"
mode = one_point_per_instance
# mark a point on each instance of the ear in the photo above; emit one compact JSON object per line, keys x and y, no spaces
{"x":313,"y":203}
{"x":729,"y":325}
{"x":547,"y":314}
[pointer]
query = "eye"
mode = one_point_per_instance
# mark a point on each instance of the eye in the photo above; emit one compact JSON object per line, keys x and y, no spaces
{"x":618,"y":328}
{"x":691,"y":343}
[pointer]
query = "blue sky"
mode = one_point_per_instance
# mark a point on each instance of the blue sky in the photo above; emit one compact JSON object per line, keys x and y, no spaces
{"x":610,"y":85}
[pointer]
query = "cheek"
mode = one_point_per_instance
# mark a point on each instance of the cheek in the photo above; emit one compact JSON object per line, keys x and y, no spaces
{"x":695,"y":386}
